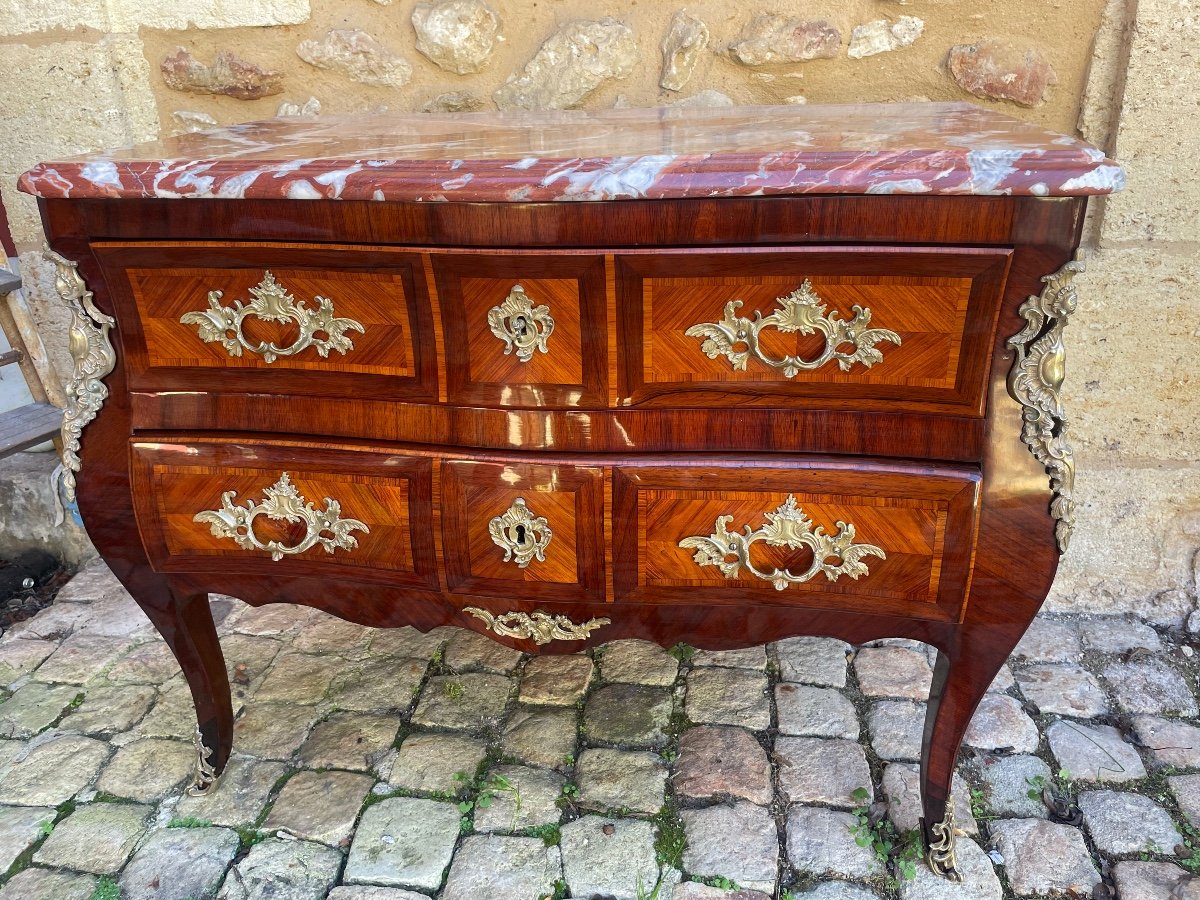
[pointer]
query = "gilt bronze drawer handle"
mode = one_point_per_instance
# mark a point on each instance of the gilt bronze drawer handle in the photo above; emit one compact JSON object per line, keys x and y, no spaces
{"x":540,"y":626}
{"x":522,"y":535}
{"x":521,"y":325}
{"x":787,"y":527}
{"x":736,"y":337}
{"x":273,"y":303}
{"x":283,"y":504}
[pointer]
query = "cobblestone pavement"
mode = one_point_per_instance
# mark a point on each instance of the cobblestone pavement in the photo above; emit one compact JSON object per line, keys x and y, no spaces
{"x":392,"y":765}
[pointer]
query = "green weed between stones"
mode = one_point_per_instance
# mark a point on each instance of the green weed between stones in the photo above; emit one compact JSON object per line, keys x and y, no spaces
{"x":683,"y":652}
{"x":718,"y":881}
{"x":1190,"y":858}
{"x":551,"y":834}
{"x":898,"y":853}
{"x":106,"y":889}
{"x":189,"y":822}
{"x":670,"y":840}
{"x":481,"y":792}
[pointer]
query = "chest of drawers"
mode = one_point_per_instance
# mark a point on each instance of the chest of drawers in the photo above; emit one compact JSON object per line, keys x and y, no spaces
{"x":712,"y":376}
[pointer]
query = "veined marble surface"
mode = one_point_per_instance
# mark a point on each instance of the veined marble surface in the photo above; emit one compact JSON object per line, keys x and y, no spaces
{"x":910,"y":148}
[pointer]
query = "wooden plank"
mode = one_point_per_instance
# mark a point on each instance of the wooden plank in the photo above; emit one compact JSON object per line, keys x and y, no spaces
{"x":28,"y":425}
{"x":11,"y":356}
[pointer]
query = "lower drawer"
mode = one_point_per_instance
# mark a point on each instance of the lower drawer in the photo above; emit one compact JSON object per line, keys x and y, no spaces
{"x":866,"y":536}
{"x":761,"y":530}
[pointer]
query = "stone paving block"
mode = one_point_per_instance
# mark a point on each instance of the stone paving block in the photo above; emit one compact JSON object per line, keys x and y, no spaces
{"x":403,"y":842}
{"x":1003,"y":681}
{"x":147,"y":770}
{"x":240,"y":794}
{"x":896,"y":728}
{"x":629,"y":780}
{"x":34,"y":707}
{"x":813,"y":660}
{"x":738,"y":841}
{"x":320,"y":806}
{"x":109,"y":708}
{"x":555,"y":680}
{"x":173,"y":714}
{"x":838,"y":890}
{"x":1008,"y":780}
{"x":1065,"y":689}
{"x":429,"y":762}
{"x":20,"y":828}
{"x":117,"y":617}
{"x":48,"y":884}
{"x":53,"y":771}
{"x":273,"y":730}
{"x":470,"y":651}
{"x":631,"y":714}
{"x":1122,"y":822}
{"x":815,"y":711}
{"x":896,"y":672}
{"x":980,"y":881}
{"x":1094,"y":752}
{"x":537,"y":791}
{"x":96,"y":838}
{"x":248,"y":657}
{"x":80,"y":658}
{"x":349,"y":741}
{"x":1050,"y":640}
{"x":745,"y":658}
{"x":269,"y":620}
{"x":326,"y":633}
{"x":1149,"y":686}
{"x":817,"y":770}
{"x":717,"y":762}
{"x":1000,"y":723}
{"x":275,"y":868}
{"x":902,"y":790}
{"x":1186,"y":789}
{"x":695,"y":890}
{"x":1151,"y":881}
{"x":408,"y":643}
{"x":93,"y":582}
{"x":542,"y":736}
{"x":820,"y":841}
{"x":728,"y":697}
{"x":502,"y":868}
{"x":302,"y":678}
{"x":368,"y":892}
{"x":20,"y":656}
{"x":638,"y":662}
{"x":380,"y":683}
{"x":1118,"y":634}
{"x":179,"y":864}
{"x":1041,"y":857}
{"x":1170,"y":741}
{"x":608,"y":857}
{"x":468,"y":702}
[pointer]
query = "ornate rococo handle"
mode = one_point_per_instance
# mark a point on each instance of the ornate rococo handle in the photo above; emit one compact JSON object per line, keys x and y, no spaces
{"x":541,"y":627}
{"x":786,"y":527}
{"x":94,"y":358}
{"x":521,"y":534}
{"x":284,"y":503}
{"x":737,"y":338}
{"x":273,"y":303}
{"x":521,"y":325}
{"x":1035,"y":381}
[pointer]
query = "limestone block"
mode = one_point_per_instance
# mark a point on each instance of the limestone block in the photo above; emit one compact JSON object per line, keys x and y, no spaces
{"x":769,"y":39}
{"x":358,"y":56}
{"x":572,"y":63}
{"x":228,"y":74}
{"x":129,"y":15}
{"x":457,"y":35}
{"x":882,"y":36}
{"x":681,"y":50}
{"x":997,"y":70}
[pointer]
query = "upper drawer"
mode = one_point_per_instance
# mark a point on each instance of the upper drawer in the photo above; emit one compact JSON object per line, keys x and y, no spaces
{"x":351,"y":319}
{"x":523,"y":329}
{"x":903,"y":328}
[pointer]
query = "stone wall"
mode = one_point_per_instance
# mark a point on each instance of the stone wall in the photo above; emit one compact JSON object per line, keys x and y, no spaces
{"x":86,"y":74}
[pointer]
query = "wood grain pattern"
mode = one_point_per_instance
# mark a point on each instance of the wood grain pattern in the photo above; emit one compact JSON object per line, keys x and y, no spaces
{"x":942,"y":305}
{"x":382,"y":290}
{"x":574,"y":370}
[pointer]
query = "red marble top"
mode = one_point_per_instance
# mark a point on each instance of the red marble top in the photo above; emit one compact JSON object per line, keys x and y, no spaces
{"x":912,"y":148}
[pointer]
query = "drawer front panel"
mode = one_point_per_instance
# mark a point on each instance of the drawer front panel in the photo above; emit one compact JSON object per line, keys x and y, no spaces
{"x":523,"y":529}
{"x":278,"y":510}
{"x":524,"y":329}
{"x":847,"y":325}
{"x":886,"y":541}
{"x":257,"y":315}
